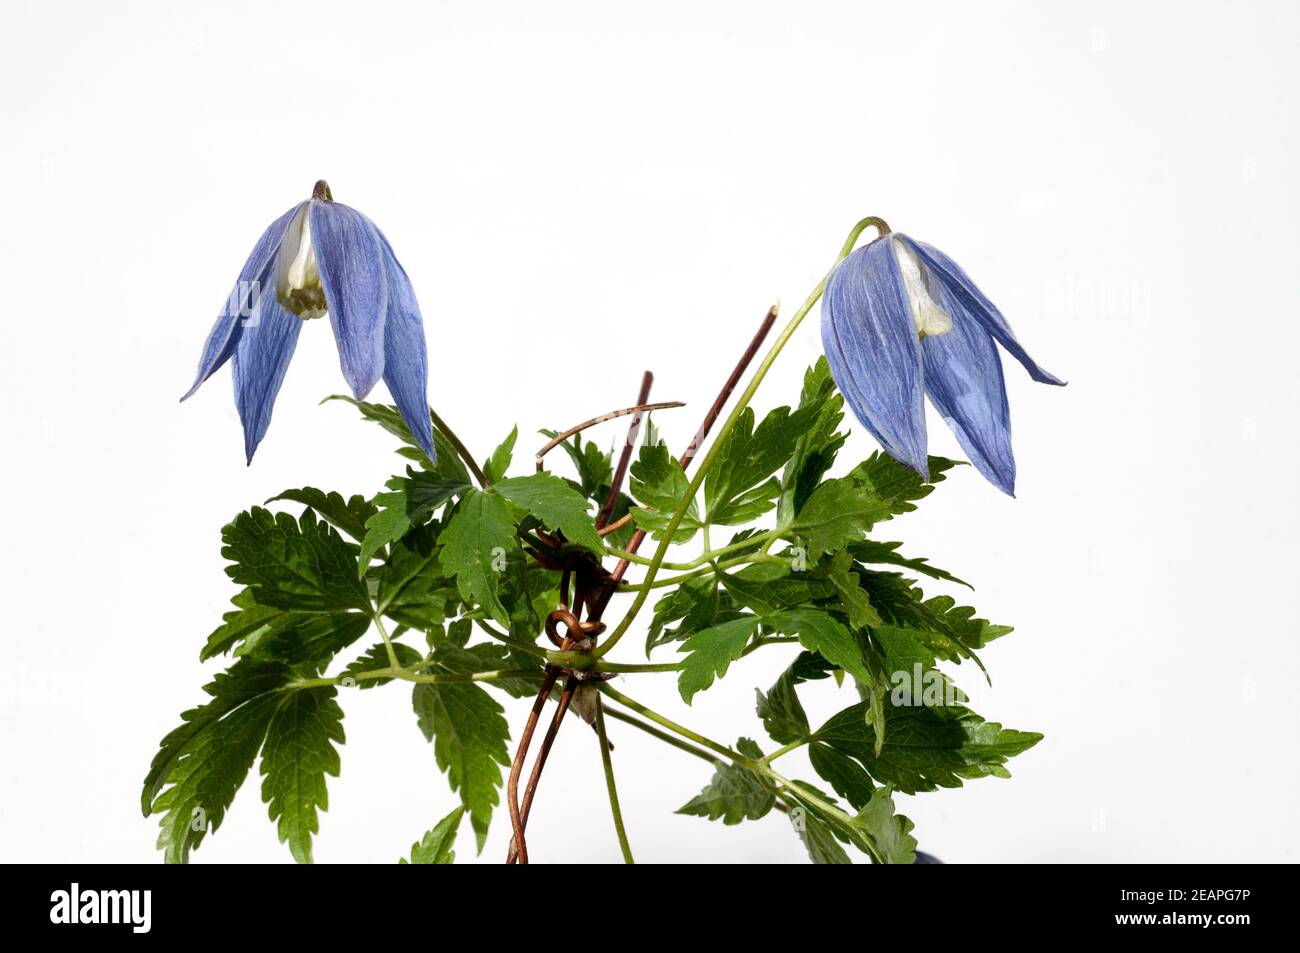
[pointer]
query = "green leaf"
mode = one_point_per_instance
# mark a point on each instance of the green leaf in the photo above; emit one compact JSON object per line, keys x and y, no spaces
{"x":849,"y":778}
{"x":872,"y":551}
{"x":889,"y":832}
{"x":497,"y":465}
{"x":660,"y":484}
{"x":529,"y":593}
{"x":898,"y":485}
{"x":201,"y":764}
{"x":298,"y":754}
{"x":469,"y":738}
{"x":733,"y":795}
{"x":412,"y":589}
{"x":817,"y":447}
{"x":816,"y":829}
{"x":595,"y":467}
{"x":770,"y":587}
{"x":247,"y":622}
{"x":837,"y":512}
{"x":738,"y":489}
{"x":781,"y":711}
{"x":347,"y":516}
{"x":951,"y":631}
{"x":695,"y":603}
{"x":474,"y":547}
{"x":927,"y":748}
{"x":449,"y":466}
{"x":411,"y":501}
{"x":310,"y":638}
{"x":838,"y":571}
{"x":822,"y":633}
{"x":711,"y":652}
{"x":451,"y":659}
{"x":435,"y":847}
{"x":302,"y":565}
{"x":558,"y":505}
{"x":819,"y":840}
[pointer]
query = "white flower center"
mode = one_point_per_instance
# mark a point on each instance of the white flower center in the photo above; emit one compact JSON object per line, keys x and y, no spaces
{"x":298,"y":286}
{"x":930,"y":319}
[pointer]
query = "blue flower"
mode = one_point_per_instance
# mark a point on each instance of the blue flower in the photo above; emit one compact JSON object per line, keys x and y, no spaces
{"x":901,"y":318}
{"x":320,"y":258}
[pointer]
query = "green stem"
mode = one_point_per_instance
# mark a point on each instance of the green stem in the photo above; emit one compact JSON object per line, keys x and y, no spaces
{"x":768,"y":759}
{"x":634,"y":667}
{"x":760,"y":767}
{"x":388,"y":642}
{"x":406,"y":675}
{"x":768,"y":640}
{"x":708,"y":556}
{"x":663,"y":736}
{"x":746,"y":396}
{"x":702,"y":571}
{"x":461,"y":449}
{"x":672,"y":726}
{"x":610,"y":785}
{"x":519,"y":644}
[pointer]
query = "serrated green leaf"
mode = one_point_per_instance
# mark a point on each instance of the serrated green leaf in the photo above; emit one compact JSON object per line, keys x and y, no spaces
{"x":347,"y":516}
{"x":558,"y":505}
{"x":660,"y":484}
{"x":497,"y":465}
{"x":739,"y":486}
{"x":246,"y":622}
{"x":815,"y":829}
{"x":781,"y":712}
{"x":475,"y":544}
{"x":951,"y":631}
{"x":298,"y":754}
{"x":695,"y":603}
{"x":849,"y":779}
{"x":927,"y":748}
{"x":836,"y":513}
{"x":890,"y":833}
{"x":817,"y":447}
{"x":878,"y":553}
{"x":469,"y":738}
{"x":898,"y":485}
{"x":304,"y":565}
{"x":201,"y":764}
{"x":411,"y":501}
{"x":822,"y":633}
{"x":435,"y":847}
{"x":733,"y":795}
{"x":771,"y":587}
{"x":412,"y":588}
{"x":838,"y":571}
{"x":306,"y":639}
{"x":711,"y":652}
{"x":449,"y":466}
{"x":595,"y":467}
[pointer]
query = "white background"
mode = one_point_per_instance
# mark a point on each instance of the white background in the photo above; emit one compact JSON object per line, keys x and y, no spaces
{"x":629,"y":186}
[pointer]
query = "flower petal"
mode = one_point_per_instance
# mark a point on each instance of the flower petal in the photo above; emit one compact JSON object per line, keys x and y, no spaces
{"x":874,"y":352}
{"x":956,"y":281}
{"x":262,"y":354}
{"x":406,"y":360}
{"x":963,"y":376}
{"x":225,"y":333}
{"x":352,"y":274}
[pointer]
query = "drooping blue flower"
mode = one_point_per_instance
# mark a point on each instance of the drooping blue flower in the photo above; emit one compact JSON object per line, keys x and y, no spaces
{"x":319,"y":258}
{"x":900,"y":319}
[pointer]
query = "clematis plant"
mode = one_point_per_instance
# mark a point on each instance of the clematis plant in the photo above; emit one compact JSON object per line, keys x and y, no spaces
{"x":475,"y":586}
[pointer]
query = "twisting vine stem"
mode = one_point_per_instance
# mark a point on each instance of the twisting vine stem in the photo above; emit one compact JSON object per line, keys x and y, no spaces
{"x":746,"y":396}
